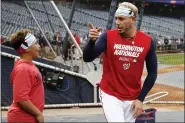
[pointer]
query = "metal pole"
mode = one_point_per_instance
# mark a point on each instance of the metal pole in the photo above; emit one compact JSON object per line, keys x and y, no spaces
{"x":71,"y":58}
{"x":40,"y":28}
{"x":71,"y":17}
{"x":141,"y":14}
{"x":72,"y":13}
{"x":95,"y":94}
{"x":69,"y":25}
{"x":68,"y":30}
{"x":47,"y":66}
{"x":48,"y":17}
{"x":111,"y":14}
{"x":110,"y":20}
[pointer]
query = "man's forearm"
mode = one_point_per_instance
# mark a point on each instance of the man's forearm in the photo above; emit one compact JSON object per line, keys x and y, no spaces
{"x":147,"y":86}
{"x":94,"y":48}
{"x":151,"y":65}
{"x":88,"y":52}
{"x":29,"y":107}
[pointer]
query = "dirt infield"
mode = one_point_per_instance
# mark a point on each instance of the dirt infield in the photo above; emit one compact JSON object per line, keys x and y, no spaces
{"x":168,"y":69}
{"x":175,"y":93}
{"x":165,"y":107}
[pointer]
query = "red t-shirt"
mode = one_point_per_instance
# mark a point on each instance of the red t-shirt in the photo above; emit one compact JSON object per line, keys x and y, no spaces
{"x":123,"y":64}
{"x":77,"y":40}
{"x":27,"y":85}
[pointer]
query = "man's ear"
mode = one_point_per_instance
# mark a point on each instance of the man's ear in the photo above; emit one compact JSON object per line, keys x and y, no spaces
{"x":134,"y":19}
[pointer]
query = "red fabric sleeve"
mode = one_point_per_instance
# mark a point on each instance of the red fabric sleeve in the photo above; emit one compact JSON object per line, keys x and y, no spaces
{"x":21,"y":86}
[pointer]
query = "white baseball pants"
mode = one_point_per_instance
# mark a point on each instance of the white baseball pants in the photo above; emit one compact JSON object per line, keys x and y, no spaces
{"x":116,"y":110}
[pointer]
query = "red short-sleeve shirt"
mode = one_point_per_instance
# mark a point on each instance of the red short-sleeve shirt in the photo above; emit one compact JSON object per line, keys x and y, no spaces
{"x":27,"y":85}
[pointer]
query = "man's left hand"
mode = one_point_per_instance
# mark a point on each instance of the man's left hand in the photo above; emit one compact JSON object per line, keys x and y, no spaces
{"x":137,"y":108}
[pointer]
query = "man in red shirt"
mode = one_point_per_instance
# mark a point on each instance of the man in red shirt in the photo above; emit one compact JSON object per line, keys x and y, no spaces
{"x":28,"y":90}
{"x":76,"y":52}
{"x":125,"y":49}
{"x":77,"y":38}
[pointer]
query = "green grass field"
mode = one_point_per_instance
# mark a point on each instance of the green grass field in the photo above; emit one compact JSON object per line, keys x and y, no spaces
{"x":173,"y":59}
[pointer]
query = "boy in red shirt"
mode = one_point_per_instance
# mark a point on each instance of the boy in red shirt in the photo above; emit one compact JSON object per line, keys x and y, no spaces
{"x":26,"y":79}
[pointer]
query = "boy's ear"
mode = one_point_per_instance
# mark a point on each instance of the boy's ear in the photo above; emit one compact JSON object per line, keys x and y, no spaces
{"x":29,"y":49}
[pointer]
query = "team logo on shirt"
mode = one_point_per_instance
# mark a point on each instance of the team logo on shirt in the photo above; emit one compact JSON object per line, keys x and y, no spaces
{"x":126,"y":66}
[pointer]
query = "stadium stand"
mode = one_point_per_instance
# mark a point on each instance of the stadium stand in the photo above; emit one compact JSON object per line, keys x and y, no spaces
{"x":16,"y":16}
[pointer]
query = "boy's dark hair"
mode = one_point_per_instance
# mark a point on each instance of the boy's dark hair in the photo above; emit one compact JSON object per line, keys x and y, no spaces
{"x":17,"y":38}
